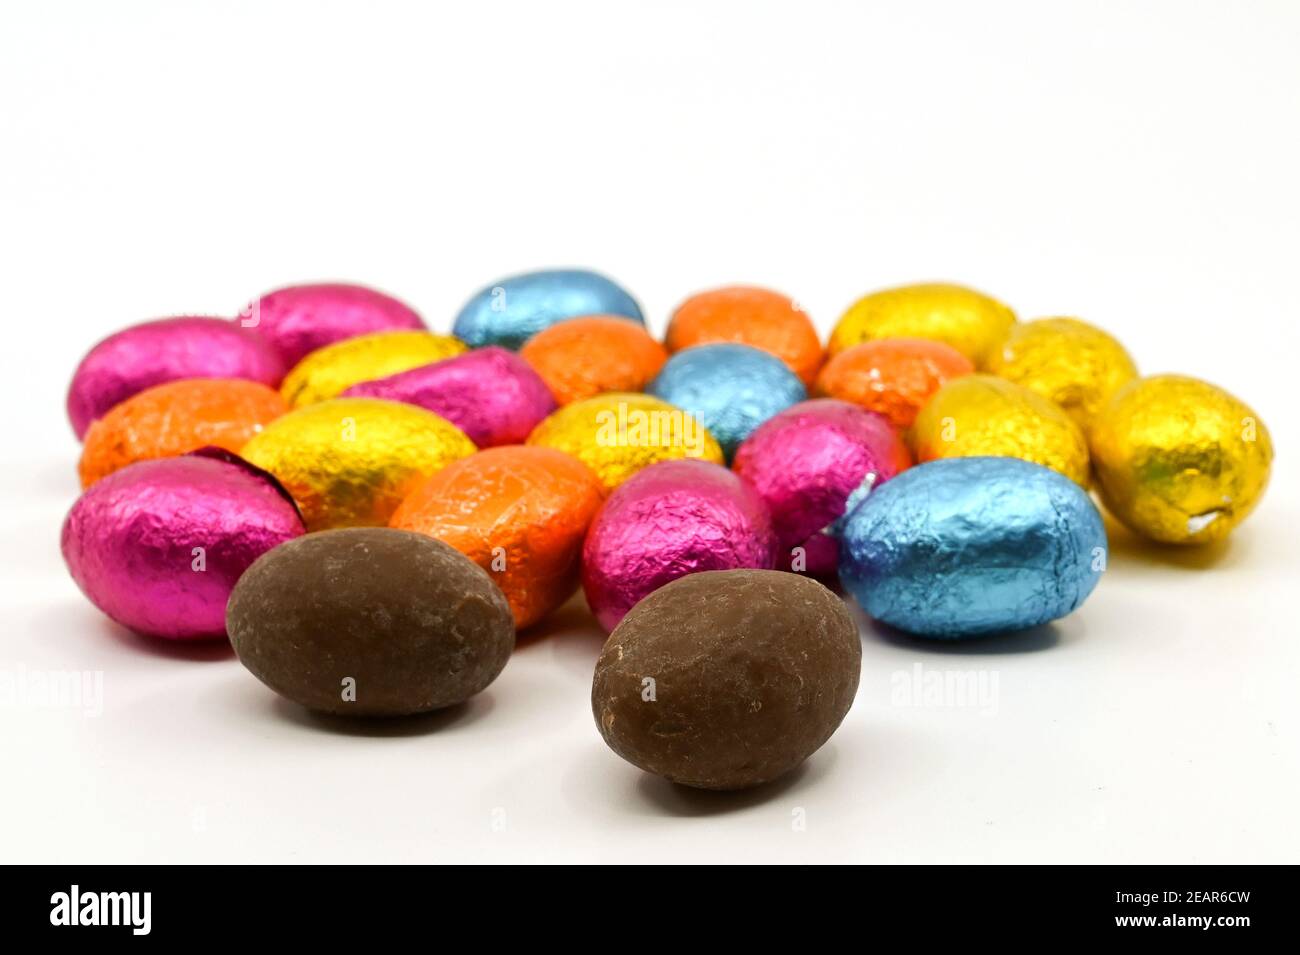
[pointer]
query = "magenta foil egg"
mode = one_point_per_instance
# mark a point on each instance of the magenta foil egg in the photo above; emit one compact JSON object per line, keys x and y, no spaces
{"x":491,"y":394}
{"x":669,"y":520}
{"x":806,"y":461}
{"x":153,"y":353}
{"x":302,"y":318}
{"x":159,"y":545}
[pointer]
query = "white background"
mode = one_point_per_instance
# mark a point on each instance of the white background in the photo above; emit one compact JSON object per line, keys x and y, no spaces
{"x":1132,"y":163}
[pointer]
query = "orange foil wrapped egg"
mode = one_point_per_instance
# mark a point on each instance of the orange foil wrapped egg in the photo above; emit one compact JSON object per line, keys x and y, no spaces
{"x":176,"y":418}
{"x":589,"y":356}
{"x":519,"y":512}
{"x":892,"y":376}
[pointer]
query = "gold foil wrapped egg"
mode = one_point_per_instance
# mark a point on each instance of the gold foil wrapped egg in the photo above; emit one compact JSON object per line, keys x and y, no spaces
{"x":328,"y":372}
{"x":1179,"y":460}
{"x":978,"y":415}
{"x":1067,"y":361}
{"x":349,"y":462}
{"x":619,"y":433}
{"x":969,"y":321}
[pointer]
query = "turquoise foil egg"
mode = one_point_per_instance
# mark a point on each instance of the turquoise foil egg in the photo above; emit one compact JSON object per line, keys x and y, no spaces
{"x":510,"y":311}
{"x":964,"y":547}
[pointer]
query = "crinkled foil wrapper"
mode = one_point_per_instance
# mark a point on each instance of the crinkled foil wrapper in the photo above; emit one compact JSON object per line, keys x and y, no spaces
{"x":593,"y":354}
{"x":894,"y":377}
{"x":302,"y":318}
{"x":329,"y":371}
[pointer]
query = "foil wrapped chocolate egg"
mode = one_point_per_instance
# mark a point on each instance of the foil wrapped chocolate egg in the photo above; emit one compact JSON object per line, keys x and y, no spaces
{"x":332,"y":370}
{"x":731,"y":389}
{"x":350,"y":461}
{"x":892,"y":376}
{"x":979,"y":415}
{"x":512,"y":310}
{"x":594,"y":354}
{"x":618,"y":434}
{"x":1067,"y":361}
{"x":759,"y":317}
{"x":169,"y":349}
{"x":180,"y":416}
{"x":672,"y":519}
{"x":159,"y":545}
{"x":299,"y":319}
{"x":1179,"y":460}
{"x":806,"y":463}
{"x":969,"y":321}
{"x":518,"y":512}
{"x":971,"y":546}
{"x":489,"y":393}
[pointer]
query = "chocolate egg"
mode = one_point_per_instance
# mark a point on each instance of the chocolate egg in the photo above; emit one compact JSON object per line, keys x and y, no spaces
{"x":349,"y":461}
{"x":892,"y":376}
{"x":510,"y":311}
{"x":158,"y":545}
{"x":1179,"y":460}
{"x":672,"y":519}
{"x":329,"y":371}
{"x":971,"y":546}
{"x":169,"y":349}
{"x":302,"y":318}
{"x":370,"y":622}
{"x":490,"y":393}
{"x":727,"y":679}
{"x":588,"y":356}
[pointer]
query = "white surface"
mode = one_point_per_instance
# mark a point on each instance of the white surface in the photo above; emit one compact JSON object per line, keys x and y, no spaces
{"x":1134,"y":164}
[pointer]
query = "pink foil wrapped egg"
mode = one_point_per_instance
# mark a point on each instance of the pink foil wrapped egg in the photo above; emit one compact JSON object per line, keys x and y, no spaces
{"x":806,"y":461}
{"x":491,"y":394}
{"x":169,"y":349}
{"x":669,"y":520}
{"x":159,"y":545}
{"x":301,"y":318}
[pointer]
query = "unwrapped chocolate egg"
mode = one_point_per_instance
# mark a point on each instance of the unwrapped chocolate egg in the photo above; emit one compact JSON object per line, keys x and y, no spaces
{"x":302,"y":318}
{"x":180,"y":416}
{"x":489,"y":393}
{"x":892,"y":376}
{"x":618,"y":434}
{"x":520,"y":513}
{"x":158,"y":545}
{"x":332,"y":370}
{"x":512,"y":310}
{"x":971,"y":546}
{"x":350,"y":461}
{"x":979,"y":415}
{"x":671,"y":519}
{"x":169,"y":349}
{"x":594,"y":354}
{"x":1179,"y":460}
{"x":731,"y":389}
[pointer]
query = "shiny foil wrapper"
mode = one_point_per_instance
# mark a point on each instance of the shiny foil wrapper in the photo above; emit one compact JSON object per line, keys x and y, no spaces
{"x":172,"y":419}
{"x":980,"y":415}
{"x":332,"y":370}
{"x":1179,"y":460}
{"x":972,"y":546}
{"x":731,"y":389}
{"x":806,"y":463}
{"x":592,"y":355}
{"x":518,"y":512}
{"x":511,"y":310}
{"x":749,"y":316}
{"x":159,"y":545}
{"x":672,"y":519}
{"x":349,"y":462}
{"x":490,"y":393}
{"x":894,"y":377}
{"x":302,"y":318}
{"x":169,"y":349}
{"x":618,"y":434}
{"x":969,"y":321}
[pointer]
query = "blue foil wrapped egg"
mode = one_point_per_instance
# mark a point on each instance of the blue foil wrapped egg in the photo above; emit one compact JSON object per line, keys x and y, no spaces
{"x":730,"y":388}
{"x":510,"y":311}
{"x":962,"y":547}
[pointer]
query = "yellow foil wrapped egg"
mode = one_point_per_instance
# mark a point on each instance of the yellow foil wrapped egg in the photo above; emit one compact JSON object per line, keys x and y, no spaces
{"x":619,"y":433}
{"x":969,"y":321}
{"x":328,"y":372}
{"x":1179,"y":460}
{"x":1067,"y":361}
{"x":979,"y":415}
{"x":349,"y":462}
